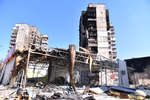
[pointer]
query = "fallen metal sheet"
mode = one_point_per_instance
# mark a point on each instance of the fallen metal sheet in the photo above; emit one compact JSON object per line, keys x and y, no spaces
{"x":122,"y":89}
{"x":8,"y":72}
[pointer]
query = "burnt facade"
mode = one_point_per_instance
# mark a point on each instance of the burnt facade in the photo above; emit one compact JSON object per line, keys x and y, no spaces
{"x":96,"y":32}
{"x":138,"y":70}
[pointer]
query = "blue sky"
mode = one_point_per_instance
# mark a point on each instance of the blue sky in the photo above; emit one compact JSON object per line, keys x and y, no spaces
{"x":59,"y":19}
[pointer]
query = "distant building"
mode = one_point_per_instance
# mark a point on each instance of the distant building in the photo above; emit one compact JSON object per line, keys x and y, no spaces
{"x":23,"y":35}
{"x":97,"y":33}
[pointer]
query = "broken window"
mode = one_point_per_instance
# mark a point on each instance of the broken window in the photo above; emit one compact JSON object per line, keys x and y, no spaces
{"x":94,"y":49}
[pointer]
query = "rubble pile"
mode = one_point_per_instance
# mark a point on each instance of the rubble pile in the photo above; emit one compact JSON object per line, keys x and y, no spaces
{"x":53,"y":92}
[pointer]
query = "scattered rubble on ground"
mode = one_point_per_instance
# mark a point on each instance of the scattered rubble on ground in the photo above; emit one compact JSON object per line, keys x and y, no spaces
{"x":53,"y":92}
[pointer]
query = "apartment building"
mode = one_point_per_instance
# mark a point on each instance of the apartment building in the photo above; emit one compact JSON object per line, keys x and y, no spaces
{"x":19,"y":37}
{"x":97,"y":32}
{"x":23,"y":35}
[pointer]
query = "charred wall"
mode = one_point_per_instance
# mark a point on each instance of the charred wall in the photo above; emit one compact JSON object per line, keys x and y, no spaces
{"x":139,"y":71}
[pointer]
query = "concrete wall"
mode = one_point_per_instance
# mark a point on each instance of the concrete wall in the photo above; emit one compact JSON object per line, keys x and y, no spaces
{"x":102,"y":35}
{"x":22,"y":37}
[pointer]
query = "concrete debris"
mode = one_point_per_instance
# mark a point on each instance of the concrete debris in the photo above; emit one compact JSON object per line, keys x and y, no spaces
{"x":53,"y":92}
{"x":97,"y":90}
{"x":40,"y":85}
{"x":140,"y":93}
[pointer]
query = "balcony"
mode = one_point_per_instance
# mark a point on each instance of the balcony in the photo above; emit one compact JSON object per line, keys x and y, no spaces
{"x":91,"y":13}
{"x":113,"y":43}
{"x":12,"y":43}
{"x":112,"y":29}
{"x":112,"y":32}
{"x":113,"y":47}
{"x":46,"y":42}
{"x":113,"y":39}
{"x":13,"y":40}
{"x":91,"y":19}
{"x":114,"y":54}
{"x":92,"y":39}
{"x":13,"y":36}
{"x":92,"y":34}
{"x":92,"y":43}
{"x":114,"y":51}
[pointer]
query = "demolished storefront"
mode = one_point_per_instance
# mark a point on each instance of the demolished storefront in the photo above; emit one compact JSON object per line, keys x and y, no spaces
{"x":138,"y":70}
{"x":57,"y":62}
{"x":63,"y":68}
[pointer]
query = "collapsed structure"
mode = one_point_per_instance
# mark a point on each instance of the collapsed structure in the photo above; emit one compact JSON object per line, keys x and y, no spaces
{"x":138,"y":70}
{"x":96,"y":35}
{"x":31,"y":60}
{"x":57,"y":62}
{"x":29,"y":57}
{"x":29,"y":54}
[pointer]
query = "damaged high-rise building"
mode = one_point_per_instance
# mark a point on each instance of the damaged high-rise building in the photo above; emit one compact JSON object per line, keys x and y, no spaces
{"x":23,"y":35}
{"x":97,"y":33}
{"x":19,"y":37}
